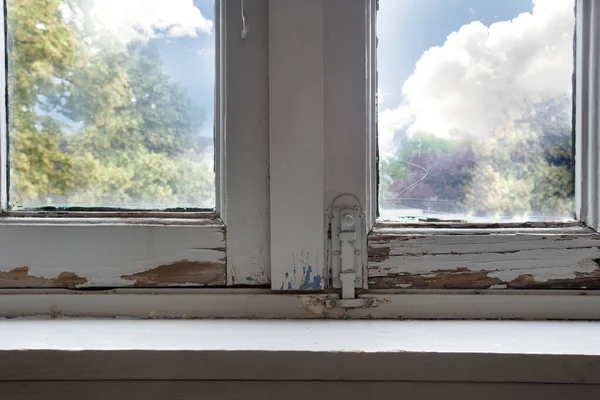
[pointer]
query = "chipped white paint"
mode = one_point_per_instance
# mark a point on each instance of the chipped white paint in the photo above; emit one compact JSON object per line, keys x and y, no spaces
{"x":102,"y":247}
{"x":245,"y":203}
{"x":543,"y":254}
{"x":322,"y":85}
{"x":297,"y":147}
{"x":102,"y":253}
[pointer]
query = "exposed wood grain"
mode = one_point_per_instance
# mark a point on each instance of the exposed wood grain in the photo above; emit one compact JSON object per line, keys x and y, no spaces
{"x":182,"y":272}
{"x":77,"y":254}
{"x":551,"y":257}
{"x":20,"y":278}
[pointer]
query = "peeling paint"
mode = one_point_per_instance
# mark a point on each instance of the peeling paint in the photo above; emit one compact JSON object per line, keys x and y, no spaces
{"x":20,"y":278}
{"x":378,"y":254}
{"x":462,"y":278}
{"x":184,"y":272}
{"x":498,"y":287}
{"x":307,"y":283}
{"x":527,"y":256}
{"x":306,"y":279}
{"x":315,"y":305}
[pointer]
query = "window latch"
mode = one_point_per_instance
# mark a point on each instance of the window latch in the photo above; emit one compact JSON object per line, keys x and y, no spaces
{"x":348,"y":251}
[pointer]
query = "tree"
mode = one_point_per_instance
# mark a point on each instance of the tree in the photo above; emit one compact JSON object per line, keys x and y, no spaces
{"x":524,"y":167}
{"x":94,"y":122}
{"x":428,"y":170}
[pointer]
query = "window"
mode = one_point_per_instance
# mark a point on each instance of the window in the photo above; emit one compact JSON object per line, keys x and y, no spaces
{"x":111,"y":104}
{"x":296,"y":166}
{"x":107,"y":165}
{"x":475,"y":110}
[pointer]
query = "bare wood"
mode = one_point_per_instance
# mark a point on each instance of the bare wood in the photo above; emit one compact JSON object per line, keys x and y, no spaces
{"x":526,"y":258}
{"x":234,"y":390}
{"x":111,"y":254}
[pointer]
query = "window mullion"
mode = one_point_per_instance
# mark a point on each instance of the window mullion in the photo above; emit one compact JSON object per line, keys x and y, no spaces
{"x":587,"y":118}
{"x":244,"y":155}
{"x":321,"y":147}
{"x":297,"y":144}
{"x":3,"y":117}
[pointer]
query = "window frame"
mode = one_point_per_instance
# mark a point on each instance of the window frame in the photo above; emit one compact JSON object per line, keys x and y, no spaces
{"x":509,"y":255}
{"x":68,"y":249}
{"x":317,"y":139}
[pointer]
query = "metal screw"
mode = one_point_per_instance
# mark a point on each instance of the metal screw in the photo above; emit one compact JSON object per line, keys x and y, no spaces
{"x":349,"y":220}
{"x":356,"y":209}
{"x":357,"y":253}
{"x":333,"y":303}
{"x":370,"y":302}
{"x":336,"y":253}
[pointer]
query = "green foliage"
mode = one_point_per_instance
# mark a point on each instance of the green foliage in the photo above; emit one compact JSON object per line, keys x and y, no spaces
{"x":524,"y":169}
{"x":133,"y":139}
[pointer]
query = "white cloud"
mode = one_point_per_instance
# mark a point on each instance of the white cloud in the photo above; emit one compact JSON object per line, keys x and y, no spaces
{"x":482,"y":74}
{"x":129,"y":20}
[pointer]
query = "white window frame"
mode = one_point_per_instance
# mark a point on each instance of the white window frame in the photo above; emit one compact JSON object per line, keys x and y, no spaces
{"x":318,"y":144}
{"x":149,"y":249}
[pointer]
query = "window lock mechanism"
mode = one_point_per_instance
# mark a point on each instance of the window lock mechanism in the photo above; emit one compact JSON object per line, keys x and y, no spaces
{"x":347,"y":251}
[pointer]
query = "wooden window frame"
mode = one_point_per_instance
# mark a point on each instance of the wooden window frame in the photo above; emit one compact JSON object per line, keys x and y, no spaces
{"x":314,"y":66}
{"x":537,"y":256}
{"x":83,"y":249}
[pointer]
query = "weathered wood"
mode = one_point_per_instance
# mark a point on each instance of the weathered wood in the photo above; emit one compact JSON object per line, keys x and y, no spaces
{"x":559,"y":257}
{"x":65,"y":253}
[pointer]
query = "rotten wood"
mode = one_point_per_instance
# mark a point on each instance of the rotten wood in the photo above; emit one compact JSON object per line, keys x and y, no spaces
{"x":535,"y":256}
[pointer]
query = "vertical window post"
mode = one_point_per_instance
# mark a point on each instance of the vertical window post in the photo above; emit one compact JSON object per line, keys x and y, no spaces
{"x":321,"y":146}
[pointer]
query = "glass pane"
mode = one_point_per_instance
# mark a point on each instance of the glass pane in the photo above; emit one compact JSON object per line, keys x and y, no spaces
{"x":111,"y":103}
{"x":475,"y":105}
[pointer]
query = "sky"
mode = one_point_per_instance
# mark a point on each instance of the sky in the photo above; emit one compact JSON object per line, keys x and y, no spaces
{"x":444,"y":65}
{"x":184,"y":31}
{"x":461,"y":65}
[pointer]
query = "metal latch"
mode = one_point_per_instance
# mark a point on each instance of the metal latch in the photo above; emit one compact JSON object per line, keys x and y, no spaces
{"x":348,"y":249}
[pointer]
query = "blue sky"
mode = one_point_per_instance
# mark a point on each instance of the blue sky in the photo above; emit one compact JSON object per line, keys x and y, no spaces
{"x":406,"y":28}
{"x":190,"y":61}
{"x":467,"y":67}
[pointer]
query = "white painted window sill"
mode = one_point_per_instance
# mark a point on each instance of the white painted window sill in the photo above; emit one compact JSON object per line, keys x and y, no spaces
{"x":443,"y":351}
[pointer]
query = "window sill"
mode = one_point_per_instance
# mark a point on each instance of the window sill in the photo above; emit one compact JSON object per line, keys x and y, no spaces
{"x":292,"y":350}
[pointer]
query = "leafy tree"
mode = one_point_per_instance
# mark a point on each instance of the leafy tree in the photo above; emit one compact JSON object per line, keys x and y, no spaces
{"x":428,"y":168}
{"x":95,"y":122}
{"x":525,"y":167}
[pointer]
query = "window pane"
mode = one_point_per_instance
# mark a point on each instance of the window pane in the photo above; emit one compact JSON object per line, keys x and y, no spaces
{"x":475,"y":105}
{"x":111,"y":103}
